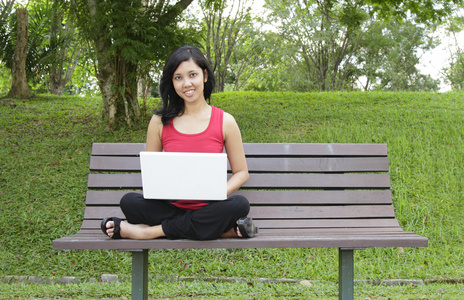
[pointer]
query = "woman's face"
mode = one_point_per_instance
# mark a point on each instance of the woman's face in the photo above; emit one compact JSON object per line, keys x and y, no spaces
{"x":189,"y":81}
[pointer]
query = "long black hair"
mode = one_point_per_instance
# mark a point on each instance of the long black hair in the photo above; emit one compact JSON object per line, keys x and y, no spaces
{"x":173,"y":104}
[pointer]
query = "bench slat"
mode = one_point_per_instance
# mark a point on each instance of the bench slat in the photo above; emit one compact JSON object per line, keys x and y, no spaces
{"x":94,"y":224}
{"x":322,"y":212}
{"x":329,"y":223}
{"x":271,"y":181}
{"x":303,"y":149}
{"x":274,"y":197}
{"x":292,"y":164}
{"x":282,"y":212}
{"x":289,"y":240}
{"x":260,"y":149}
{"x":117,"y":149}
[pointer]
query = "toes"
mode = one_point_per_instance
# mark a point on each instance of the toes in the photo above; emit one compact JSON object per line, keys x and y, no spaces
{"x":239,"y":234}
{"x":110,"y":228}
{"x":110,"y":224}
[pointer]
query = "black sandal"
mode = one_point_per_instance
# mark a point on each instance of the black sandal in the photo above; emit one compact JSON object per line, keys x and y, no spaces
{"x":117,"y":228}
{"x":246,"y":227}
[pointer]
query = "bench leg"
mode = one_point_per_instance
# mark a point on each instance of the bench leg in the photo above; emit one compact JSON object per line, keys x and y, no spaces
{"x":345,"y":274}
{"x":140,"y":275}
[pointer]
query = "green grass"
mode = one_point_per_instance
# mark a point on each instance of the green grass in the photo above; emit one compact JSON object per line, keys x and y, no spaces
{"x":172,"y":289}
{"x":44,"y":156}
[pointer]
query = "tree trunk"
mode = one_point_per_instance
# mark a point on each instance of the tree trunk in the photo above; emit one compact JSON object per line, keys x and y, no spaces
{"x":19,"y":88}
{"x":105,"y":67}
{"x":127,"y":105}
{"x":65,"y":57}
{"x":117,"y":78}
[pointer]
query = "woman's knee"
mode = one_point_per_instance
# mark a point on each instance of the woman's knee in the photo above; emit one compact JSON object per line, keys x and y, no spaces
{"x":128,"y":200}
{"x":241,"y":204}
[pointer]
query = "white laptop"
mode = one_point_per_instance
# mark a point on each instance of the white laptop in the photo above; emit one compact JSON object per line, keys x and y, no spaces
{"x":184,"y":176}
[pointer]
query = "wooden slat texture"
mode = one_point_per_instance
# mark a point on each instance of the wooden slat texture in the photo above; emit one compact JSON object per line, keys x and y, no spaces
{"x":329,"y":224}
{"x":301,"y":195}
{"x":264,"y":181}
{"x":324,"y":212}
{"x":296,"y":149}
{"x":292,"y":164}
{"x":318,"y":165}
{"x":282,"y":212}
{"x":260,"y":149}
{"x":115,"y":163}
{"x":274,"y":197}
{"x":294,"y":239}
{"x":117,"y":149}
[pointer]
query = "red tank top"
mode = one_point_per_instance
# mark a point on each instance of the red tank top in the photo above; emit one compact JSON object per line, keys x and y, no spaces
{"x":209,"y":141}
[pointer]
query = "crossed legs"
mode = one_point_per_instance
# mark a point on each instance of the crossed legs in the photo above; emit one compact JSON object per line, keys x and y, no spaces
{"x":150,"y":219}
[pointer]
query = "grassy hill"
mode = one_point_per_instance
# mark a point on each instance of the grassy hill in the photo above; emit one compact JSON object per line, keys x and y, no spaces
{"x":44,"y":155}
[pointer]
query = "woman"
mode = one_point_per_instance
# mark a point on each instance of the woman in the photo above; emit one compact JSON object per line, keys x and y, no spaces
{"x":187,"y":123}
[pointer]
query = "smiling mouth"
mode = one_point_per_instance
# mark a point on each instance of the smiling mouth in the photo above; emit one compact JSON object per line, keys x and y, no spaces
{"x":189,"y":93}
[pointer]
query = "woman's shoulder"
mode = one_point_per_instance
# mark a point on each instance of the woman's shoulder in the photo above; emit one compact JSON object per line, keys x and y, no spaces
{"x":155,"y":123}
{"x":156,"y":120}
{"x":228,"y":118}
{"x":229,"y":123}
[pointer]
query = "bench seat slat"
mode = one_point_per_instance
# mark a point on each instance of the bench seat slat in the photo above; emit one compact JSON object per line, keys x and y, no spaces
{"x":322,"y":212}
{"x":289,"y":240}
{"x":329,"y":223}
{"x":281,"y":212}
{"x":292,"y":164}
{"x":271,"y":181}
{"x":94,"y":224}
{"x":273,"y":197}
{"x":300,"y":231}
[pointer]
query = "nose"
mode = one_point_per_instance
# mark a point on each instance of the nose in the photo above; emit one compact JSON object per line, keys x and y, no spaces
{"x":187,"y":82}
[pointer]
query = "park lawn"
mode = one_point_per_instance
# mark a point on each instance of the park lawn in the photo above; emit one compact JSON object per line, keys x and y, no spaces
{"x":45,"y":149}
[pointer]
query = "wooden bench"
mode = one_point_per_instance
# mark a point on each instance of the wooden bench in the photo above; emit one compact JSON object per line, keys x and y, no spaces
{"x":302,"y":196}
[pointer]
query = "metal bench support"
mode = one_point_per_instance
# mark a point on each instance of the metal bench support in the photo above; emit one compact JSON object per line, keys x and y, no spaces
{"x":140,"y":275}
{"x":345,"y":274}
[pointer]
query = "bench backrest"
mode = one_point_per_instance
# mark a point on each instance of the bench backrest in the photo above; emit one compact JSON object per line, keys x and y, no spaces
{"x":291,"y":186}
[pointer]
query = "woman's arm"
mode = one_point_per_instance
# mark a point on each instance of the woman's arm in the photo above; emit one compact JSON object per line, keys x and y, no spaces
{"x":235,"y":154}
{"x":154,"y":134}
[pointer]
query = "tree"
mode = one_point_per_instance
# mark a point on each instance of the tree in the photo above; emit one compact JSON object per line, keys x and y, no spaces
{"x":64,"y":50}
{"x":40,"y":54}
{"x":224,"y":27}
{"x":389,"y":57}
{"x":327,"y":34}
{"x":399,"y":70}
{"x":455,"y":73}
{"x":347,"y":44}
{"x":424,"y":11}
{"x":126,"y":36}
{"x":266,"y":62}
{"x":19,"y":87}
{"x":249,"y":56}
{"x":6,"y":8}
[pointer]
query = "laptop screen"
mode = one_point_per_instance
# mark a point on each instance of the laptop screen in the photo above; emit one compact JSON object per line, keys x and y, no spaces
{"x":184,"y":176}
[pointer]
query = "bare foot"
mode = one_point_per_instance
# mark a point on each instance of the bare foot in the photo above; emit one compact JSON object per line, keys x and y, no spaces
{"x":231,"y":234}
{"x":136,"y":231}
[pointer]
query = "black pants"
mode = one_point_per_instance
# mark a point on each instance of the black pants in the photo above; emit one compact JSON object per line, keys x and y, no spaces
{"x":206,"y":223}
